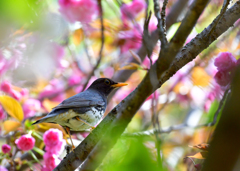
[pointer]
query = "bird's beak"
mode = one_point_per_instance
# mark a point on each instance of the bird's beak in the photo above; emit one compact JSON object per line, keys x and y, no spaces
{"x":119,"y":85}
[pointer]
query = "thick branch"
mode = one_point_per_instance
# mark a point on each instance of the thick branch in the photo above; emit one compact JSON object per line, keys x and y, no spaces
{"x":176,"y":10}
{"x":122,"y":114}
{"x":181,"y":35}
{"x":224,"y":151}
{"x":189,"y":21}
{"x":203,"y":40}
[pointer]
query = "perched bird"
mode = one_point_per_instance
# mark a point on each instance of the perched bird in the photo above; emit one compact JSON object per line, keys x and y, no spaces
{"x":83,"y":110}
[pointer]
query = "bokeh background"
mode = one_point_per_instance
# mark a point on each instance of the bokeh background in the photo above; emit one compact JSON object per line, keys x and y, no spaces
{"x":49,"y":51}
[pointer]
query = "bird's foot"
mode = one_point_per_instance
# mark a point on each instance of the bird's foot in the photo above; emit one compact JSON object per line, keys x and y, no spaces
{"x":92,"y":128}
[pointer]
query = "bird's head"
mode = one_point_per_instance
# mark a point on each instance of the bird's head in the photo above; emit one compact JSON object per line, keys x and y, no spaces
{"x":105,"y":85}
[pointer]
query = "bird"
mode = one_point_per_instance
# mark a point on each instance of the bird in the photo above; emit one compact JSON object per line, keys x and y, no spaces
{"x":83,"y":110}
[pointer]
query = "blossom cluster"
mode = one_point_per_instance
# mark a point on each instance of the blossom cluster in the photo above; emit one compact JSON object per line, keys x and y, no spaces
{"x":53,"y":139}
{"x":226,"y":64}
{"x":25,"y":142}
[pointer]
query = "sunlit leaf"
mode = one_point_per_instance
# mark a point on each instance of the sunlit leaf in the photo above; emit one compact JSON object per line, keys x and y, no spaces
{"x":131,"y":66}
{"x":37,"y":135}
{"x":202,"y":146}
{"x":42,"y":127}
{"x":200,"y":155}
{"x":78,"y":36}
{"x":38,"y":150}
{"x":200,"y":77}
{"x":48,"y":104}
{"x":10,"y":125}
{"x":34,"y":156}
{"x":12,"y":107}
{"x":70,"y":92}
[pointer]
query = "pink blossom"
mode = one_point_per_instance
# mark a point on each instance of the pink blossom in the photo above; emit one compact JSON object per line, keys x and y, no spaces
{"x":15,"y":94}
{"x":5,"y":64}
{"x":225,"y":61}
{"x":54,"y":91}
{"x":130,"y":39}
{"x":133,"y":8}
{"x":120,"y":95}
{"x":2,"y":113}
{"x":25,"y":142}
{"x":50,"y":160}
{"x":222,"y":78}
{"x":57,"y":149}
{"x":74,"y":80}
{"x":44,"y":168}
{"x":153,"y":24}
{"x":6,"y":148}
{"x":207,"y":105}
{"x":53,"y":139}
{"x":108,"y":72}
{"x":24,"y":92}
{"x":152,"y":95}
{"x":79,"y":10}
{"x":3,"y":168}
{"x":58,"y":52}
{"x":30,"y":106}
{"x":6,"y":87}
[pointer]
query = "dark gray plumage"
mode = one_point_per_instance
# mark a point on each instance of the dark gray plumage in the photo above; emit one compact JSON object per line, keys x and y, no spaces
{"x":83,"y":110}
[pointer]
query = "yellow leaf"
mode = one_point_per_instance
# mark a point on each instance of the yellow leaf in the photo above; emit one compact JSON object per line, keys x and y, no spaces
{"x":12,"y":107}
{"x":202,"y":146}
{"x":200,"y":77}
{"x":131,"y":66}
{"x":78,"y":36}
{"x":10,"y":125}
{"x":200,"y":155}
{"x":42,"y":127}
{"x":49,"y":104}
{"x":70,"y":92}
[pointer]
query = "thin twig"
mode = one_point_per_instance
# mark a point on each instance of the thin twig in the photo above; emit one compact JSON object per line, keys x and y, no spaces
{"x":146,"y":36}
{"x":102,"y":45}
{"x":163,"y":16}
{"x":223,"y":10}
{"x":162,"y":36}
{"x":181,"y":126}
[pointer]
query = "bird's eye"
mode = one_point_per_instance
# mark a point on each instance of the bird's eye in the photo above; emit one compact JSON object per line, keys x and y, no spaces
{"x":107,"y":82}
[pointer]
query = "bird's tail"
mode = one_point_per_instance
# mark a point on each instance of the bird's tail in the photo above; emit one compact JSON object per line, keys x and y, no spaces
{"x":38,"y":121}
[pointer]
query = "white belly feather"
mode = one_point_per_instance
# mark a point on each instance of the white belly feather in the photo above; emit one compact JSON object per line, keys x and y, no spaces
{"x":68,"y":119}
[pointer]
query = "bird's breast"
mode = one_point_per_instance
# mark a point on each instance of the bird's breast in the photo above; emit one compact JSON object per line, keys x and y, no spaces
{"x":91,"y":117}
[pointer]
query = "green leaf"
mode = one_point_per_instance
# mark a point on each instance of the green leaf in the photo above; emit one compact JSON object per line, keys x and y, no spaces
{"x":37,"y":135}
{"x":33,"y":156}
{"x":38,"y":150}
{"x":212,"y":111}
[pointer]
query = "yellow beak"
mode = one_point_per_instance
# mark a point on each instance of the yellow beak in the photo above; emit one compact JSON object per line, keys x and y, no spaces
{"x":119,"y":85}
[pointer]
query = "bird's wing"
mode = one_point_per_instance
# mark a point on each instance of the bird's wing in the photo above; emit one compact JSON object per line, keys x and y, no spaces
{"x":81,"y":102}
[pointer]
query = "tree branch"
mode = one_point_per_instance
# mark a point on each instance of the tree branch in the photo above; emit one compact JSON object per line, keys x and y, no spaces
{"x":180,"y":36}
{"x":163,"y":15}
{"x":202,"y":41}
{"x":116,"y":121}
{"x":161,"y":30}
{"x":102,"y":45}
{"x":176,"y":10}
{"x":187,"y":24}
{"x":224,"y":151}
